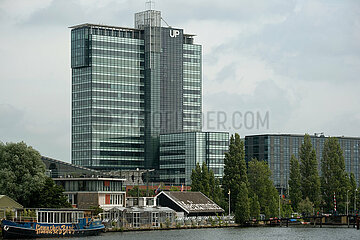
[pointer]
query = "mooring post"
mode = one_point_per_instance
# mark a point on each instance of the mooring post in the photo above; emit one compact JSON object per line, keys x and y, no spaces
{"x":354,"y":221}
{"x":321,"y":220}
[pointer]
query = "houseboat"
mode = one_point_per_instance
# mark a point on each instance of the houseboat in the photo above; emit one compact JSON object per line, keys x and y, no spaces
{"x":50,"y":223}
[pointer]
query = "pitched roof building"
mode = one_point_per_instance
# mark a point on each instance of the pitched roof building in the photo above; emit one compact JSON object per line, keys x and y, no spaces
{"x":190,"y":203}
{"x":7,"y":203}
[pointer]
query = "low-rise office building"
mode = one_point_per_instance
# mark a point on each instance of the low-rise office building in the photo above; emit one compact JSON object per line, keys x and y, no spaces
{"x":180,"y":152}
{"x":90,"y":192}
{"x":56,"y":168}
{"x":276,"y":150}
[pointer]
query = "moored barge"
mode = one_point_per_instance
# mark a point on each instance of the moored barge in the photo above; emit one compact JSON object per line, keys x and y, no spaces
{"x":50,"y":223}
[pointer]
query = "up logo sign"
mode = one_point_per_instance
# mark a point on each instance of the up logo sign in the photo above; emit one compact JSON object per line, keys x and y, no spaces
{"x":174,"y":33}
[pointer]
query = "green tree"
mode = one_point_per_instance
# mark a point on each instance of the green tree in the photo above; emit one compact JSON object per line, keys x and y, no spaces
{"x":205,"y":179}
{"x":352,"y":191}
{"x":22,"y":172}
{"x":254,"y":206}
{"x":242,"y":211}
{"x":133,"y":192}
{"x":357,"y":194}
{"x":96,"y":210}
{"x":286,"y":209}
{"x":334,"y":178}
{"x":22,"y":177}
{"x":174,"y":189}
{"x":295,"y":182}
{"x":212,"y":185}
{"x":306,"y":207}
{"x":310,"y":180}
{"x":196,"y":181}
{"x":50,"y":196}
{"x":261,"y":185}
{"x":234,"y":170}
{"x":272,"y":205}
{"x":215,"y":190}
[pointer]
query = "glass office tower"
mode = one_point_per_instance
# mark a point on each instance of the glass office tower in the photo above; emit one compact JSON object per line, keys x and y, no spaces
{"x":180,"y":152}
{"x":276,"y":150}
{"x":129,"y":85}
{"x":107,"y":97}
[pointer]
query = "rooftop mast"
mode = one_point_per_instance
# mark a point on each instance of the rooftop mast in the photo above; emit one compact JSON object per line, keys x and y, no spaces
{"x":149,"y":5}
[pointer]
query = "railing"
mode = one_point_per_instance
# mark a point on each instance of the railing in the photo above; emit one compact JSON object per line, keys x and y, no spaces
{"x":185,"y":222}
{"x":21,"y":219}
{"x":205,"y":221}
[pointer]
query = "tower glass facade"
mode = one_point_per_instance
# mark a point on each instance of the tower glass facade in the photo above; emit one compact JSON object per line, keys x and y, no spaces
{"x":129,"y":85}
{"x":192,"y":86}
{"x":180,"y":152}
{"x":108,"y":97}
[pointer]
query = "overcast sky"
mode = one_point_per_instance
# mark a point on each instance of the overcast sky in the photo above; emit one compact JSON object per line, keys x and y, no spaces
{"x":298,"y":61}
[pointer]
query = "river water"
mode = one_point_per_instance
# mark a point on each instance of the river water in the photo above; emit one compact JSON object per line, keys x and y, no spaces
{"x":259,"y":233}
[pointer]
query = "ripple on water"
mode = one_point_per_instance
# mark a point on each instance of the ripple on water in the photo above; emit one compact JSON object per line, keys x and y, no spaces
{"x":260,"y":233}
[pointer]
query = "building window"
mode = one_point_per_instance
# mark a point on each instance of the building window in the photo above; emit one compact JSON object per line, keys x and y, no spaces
{"x":168,"y":216}
{"x":116,"y":199}
{"x":107,"y":199}
{"x":155,"y":219}
{"x":136,"y":219}
{"x":71,"y":198}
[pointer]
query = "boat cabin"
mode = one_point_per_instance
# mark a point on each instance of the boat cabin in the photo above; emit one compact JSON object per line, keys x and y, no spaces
{"x":59,"y":216}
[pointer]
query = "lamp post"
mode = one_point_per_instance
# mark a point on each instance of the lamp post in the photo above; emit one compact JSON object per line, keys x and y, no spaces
{"x":355,"y":201}
{"x":279,"y":206}
{"x":138,"y":190}
{"x":347,"y":202}
{"x":229,"y":202}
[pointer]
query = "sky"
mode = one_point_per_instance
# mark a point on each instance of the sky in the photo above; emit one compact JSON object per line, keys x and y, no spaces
{"x":269,"y":66}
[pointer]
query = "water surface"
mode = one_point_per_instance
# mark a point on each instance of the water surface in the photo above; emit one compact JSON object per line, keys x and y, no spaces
{"x":236,"y":233}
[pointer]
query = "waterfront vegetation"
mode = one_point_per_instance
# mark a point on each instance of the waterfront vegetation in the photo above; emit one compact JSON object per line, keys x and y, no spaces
{"x":203,"y":180}
{"x":135,"y":191}
{"x":252,"y":193}
{"x":307,"y":190}
{"x":249,"y":188}
{"x":248,"y":185}
{"x":23,"y":178}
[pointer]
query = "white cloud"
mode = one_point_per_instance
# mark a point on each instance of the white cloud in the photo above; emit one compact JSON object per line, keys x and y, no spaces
{"x":299,"y":60}
{"x":20,"y":10}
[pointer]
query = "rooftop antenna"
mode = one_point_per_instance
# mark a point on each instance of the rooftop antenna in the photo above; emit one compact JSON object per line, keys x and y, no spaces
{"x":149,"y":5}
